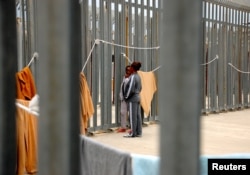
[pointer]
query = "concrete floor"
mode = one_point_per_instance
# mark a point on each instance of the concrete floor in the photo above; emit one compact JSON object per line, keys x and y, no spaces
{"x":223,"y":133}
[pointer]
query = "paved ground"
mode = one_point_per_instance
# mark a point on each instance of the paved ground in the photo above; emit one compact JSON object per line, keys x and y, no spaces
{"x":223,"y":133}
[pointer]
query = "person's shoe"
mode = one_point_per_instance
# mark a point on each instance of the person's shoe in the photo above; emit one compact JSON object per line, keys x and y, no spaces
{"x":138,"y":136}
{"x":121,"y":130}
{"x":129,"y":131}
{"x":129,"y":136}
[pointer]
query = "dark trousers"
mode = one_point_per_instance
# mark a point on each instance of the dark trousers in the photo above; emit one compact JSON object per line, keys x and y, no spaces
{"x":135,"y":118}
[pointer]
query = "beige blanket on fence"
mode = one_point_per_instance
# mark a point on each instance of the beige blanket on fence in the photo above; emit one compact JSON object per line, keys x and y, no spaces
{"x":86,"y":104}
{"x":148,"y":89}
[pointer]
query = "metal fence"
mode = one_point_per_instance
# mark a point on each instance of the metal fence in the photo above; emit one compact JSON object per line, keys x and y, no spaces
{"x":113,"y":31}
{"x":226,"y":56}
{"x":108,"y":28}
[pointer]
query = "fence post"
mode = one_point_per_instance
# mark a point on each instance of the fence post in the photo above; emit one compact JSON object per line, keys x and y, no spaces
{"x":59,"y":46}
{"x":179,"y":86}
{"x":8,"y":68}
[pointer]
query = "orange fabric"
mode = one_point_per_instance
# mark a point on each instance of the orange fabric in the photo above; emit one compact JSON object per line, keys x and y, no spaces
{"x":26,"y":124}
{"x":27,"y":157}
{"x":25,"y":84}
{"x":86,"y":104}
{"x":148,"y":89}
{"x":32,"y":140}
{"x":21,"y":138}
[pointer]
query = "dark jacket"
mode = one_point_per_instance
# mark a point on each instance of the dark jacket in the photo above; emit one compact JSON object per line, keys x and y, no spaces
{"x":132,"y":89}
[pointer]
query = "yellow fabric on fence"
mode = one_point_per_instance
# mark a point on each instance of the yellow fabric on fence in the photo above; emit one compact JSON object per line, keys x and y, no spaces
{"x":86,"y":104}
{"x":148,"y":89}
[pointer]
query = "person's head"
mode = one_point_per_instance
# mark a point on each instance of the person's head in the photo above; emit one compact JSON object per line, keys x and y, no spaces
{"x":127,"y":71}
{"x":136,"y":65}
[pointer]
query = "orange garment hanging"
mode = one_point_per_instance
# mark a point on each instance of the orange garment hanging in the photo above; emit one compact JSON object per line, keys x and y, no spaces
{"x":25,"y":84}
{"x":148,"y":89}
{"x":86,"y":104}
{"x":26,"y":124}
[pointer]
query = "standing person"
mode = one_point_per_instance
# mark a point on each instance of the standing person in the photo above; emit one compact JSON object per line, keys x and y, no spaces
{"x":132,"y":96}
{"x":124,"y":108}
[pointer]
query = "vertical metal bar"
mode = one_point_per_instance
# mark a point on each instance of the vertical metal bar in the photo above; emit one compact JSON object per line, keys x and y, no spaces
{"x":211,"y":66}
{"x":155,"y":53}
{"x":233,"y":58}
{"x":84,"y":19}
{"x":74,"y":59}
{"x":124,"y":26}
{"x":59,"y":52}
{"x":247,"y":104}
{"x":19,"y":40}
{"x":136,"y":30}
{"x":142,"y":26}
{"x":203,"y":58}
{"x":95,"y":61}
{"x":103,"y":13}
{"x":131,"y":28}
{"x":119,"y":59}
{"x":103,"y":60}
{"x":108,"y":66}
{"x":208,"y":57}
{"x":229,"y":58}
{"x":24,"y":46}
{"x":101,"y":57}
{"x":28,"y":30}
{"x":181,"y":77}
{"x":241,"y":59}
{"x":236,"y":74}
{"x":124,"y":36}
{"x":149,"y":55}
{"x":148,"y":44}
{"x":226,"y":56}
{"x":8,"y":68}
{"x":214,"y":65}
{"x":221,"y":62}
{"x":89,"y":42}
{"x":244,"y":59}
{"x":144,"y":35}
{"x":227,"y":72}
{"x":248,"y":61}
{"x":154,"y":33}
{"x":32,"y":34}
{"x":140,"y":33}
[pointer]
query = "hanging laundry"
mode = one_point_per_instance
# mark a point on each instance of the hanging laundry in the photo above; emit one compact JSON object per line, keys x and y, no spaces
{"x":148,"y":89}
{"x":86,"y":103}
{"x":27,"y":155}
{"x":33,"y":107}
{"x":25,"y":84}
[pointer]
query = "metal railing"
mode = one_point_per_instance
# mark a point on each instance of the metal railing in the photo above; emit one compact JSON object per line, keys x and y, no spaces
{"x":113,"y":32}
{"x":116,"y":25}
{"x":112,"y":29}
{"x":225,"y":65}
